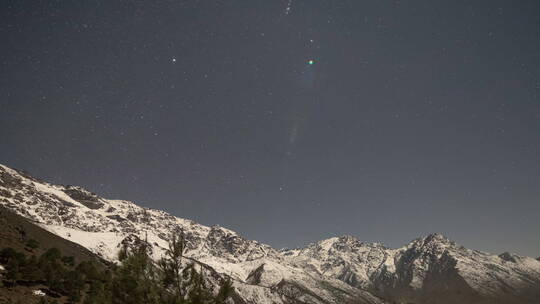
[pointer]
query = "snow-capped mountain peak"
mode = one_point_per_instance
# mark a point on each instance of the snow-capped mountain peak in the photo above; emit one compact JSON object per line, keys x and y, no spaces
{"x":336,"y":270}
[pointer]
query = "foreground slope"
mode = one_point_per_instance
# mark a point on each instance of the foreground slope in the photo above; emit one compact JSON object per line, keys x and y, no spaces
{"x":431,"y":269}
{"x":20,"y":234}
{"x":16,"y":232}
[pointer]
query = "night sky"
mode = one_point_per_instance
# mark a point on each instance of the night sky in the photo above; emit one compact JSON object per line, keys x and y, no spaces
{"x":287,"y":121}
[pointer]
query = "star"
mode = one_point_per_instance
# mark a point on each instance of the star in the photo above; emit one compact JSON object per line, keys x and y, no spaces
{"x":173,"y":60}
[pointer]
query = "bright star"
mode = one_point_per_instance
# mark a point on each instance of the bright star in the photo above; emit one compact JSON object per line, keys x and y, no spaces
{"x":311,"y":62}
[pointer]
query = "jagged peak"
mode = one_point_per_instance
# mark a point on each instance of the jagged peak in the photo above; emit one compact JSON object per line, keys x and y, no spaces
{"x":346,"y":238}
{"x":435,"y":238}
{"x":431,"y":241}
{"x":219,"y":230}
{"x":351,"y":240}
{"x":332,"y":242}
{"x":342,"y":243}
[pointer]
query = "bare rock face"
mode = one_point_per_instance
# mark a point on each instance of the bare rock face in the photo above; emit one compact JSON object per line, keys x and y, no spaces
{"x":84,"y":197}
{"x":431,"y":269}
{"x":224,"y":243}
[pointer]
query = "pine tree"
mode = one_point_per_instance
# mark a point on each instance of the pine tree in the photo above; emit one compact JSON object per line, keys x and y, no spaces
{"x":53,"y":271}
{"x":14,"y":261}
{"x":98,"y":293}
{"x":198,"y":292}
{"x":31,"y":270}
{"x":89,"y":270}
{"x":13,"y":270}
{"x":226,"y":290}
{"x":73,"y":285}
{"x":135,"y":280}
{"x":184,"y":285}
{"x":170,"y":269}
{"x":32,"y":244}
{"x":52,"y":254}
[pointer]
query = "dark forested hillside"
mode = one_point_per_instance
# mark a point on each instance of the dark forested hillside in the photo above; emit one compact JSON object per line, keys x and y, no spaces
{"x":39,"y":267}
{"x":31,"y":255}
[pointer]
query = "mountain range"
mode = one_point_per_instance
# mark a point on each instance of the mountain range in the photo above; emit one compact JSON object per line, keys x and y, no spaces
{"x":340,"y":270}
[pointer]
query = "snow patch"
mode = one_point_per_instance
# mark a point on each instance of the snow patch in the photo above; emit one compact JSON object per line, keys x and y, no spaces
{"x":38,"y":292}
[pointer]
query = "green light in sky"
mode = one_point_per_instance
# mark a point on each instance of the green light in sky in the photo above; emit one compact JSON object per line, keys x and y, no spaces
{"x":311,"y":62}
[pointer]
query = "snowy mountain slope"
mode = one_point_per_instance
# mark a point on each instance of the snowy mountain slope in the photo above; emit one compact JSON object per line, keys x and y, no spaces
{"x":103,"y":226}
{"x":414,"y":273}
{"x":431,"y":269}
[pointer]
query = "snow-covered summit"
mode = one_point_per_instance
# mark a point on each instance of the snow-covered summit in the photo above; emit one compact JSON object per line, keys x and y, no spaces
{"x":412,"y":269}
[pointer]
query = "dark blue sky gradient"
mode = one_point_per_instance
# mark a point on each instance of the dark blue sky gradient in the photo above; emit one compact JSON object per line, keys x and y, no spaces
{"x":416,"y":117}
